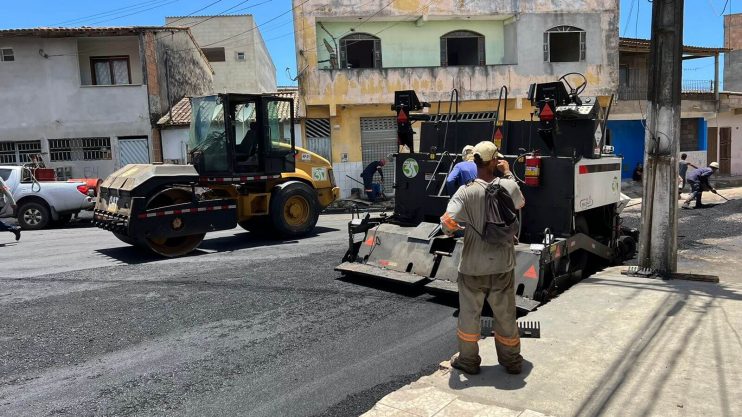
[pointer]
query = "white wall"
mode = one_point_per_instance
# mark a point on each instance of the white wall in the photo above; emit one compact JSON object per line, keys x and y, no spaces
{"x":256,"y":74}
{"x":42,"y":98}
{"x":174,"y":144}
{"x":729,"y":119}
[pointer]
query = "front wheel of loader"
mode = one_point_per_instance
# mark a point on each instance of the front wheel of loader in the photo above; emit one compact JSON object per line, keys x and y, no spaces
{"x":171,"y":246}
{"x":294,"y":209}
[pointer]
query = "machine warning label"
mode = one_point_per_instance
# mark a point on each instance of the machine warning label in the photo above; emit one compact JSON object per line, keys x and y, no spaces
{"x":410,"y":168}
{"x":319,"y":174}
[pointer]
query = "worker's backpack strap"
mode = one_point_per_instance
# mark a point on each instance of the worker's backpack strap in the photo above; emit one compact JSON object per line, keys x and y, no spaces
{"x":501,"y":220}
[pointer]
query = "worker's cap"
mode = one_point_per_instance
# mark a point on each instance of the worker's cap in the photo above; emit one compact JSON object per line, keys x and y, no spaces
{"x":714,"y":165}
{"x":486,"y":151}
{"x":467,"y":150}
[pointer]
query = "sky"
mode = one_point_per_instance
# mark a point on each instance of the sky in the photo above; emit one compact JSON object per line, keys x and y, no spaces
{"x":703,"y":23}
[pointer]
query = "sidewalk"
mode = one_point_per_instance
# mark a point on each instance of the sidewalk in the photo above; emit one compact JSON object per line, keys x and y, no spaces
{"x":611,"y":345}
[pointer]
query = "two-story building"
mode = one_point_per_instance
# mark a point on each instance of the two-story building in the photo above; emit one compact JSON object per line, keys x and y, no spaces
{"x":700,"y":102}
{"x":88,"y":99}
{"x":353,"y":55}
{"x":235,"y":49}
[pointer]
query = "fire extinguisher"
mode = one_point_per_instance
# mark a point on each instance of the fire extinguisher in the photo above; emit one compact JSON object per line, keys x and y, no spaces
{"x":533,"y":170}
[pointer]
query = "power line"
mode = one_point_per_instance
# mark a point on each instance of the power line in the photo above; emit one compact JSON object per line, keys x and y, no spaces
{"x":109,"y":12}
{"x":196,"y":23}
{"x":628,"y":19}
{"x":194,"y":12}
{"x":136,"y":12}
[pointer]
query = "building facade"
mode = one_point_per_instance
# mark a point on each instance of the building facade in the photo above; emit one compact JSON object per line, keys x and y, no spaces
{"x":700,"y":101}
{"x":88,"y":99}
{"x":353,"y":55}
{"x":235,"y":49}
{"x":725,"y":140}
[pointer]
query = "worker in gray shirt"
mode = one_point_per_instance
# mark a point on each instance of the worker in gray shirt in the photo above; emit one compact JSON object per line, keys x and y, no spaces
{"x":6,"y":198}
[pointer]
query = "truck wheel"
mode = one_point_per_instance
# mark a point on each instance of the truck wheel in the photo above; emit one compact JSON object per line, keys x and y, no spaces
{"x":33,"y":216}
{"x":294,"y":210}
{"x":261,"y":225}
{"x":171,"y":246}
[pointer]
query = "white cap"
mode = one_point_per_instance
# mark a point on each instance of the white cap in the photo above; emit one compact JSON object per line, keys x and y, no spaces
{"x":714,"y":165}
{"x":487,"y":151}
{"x":467,"y":150}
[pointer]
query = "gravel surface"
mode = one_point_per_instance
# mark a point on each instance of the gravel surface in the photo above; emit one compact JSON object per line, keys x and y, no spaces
{"x":709,"y":239}
{"x":243,"y":327}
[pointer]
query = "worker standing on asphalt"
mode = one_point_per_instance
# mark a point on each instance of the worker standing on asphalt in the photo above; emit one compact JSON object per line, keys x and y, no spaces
{"x":485,"y":270}
{"x":368,"y":176}
{"x":462,"y":173}
{"x":699,"y":182}
{"x":6,"y":198}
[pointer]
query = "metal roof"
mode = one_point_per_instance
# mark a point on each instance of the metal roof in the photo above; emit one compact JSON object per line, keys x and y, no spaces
{"x":61,"y":32}
{"x":182,"y":110}
{"x":642,"y":45}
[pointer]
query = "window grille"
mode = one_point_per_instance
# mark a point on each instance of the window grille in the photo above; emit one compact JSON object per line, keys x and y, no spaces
{"x":80,"y":149}
{"x":16,"y":153}
{"x":571,"y":42}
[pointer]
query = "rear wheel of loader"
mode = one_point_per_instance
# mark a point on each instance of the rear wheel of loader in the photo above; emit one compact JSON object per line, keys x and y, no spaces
{"x":171,"y":246}
{"x":294,"y":209}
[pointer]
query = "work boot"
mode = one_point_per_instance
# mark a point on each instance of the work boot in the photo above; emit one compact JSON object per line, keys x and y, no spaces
{"x":17,"y":233}
{"x":514,"y":370}
{"x":698,"y":206}
{"x":467,"y":369}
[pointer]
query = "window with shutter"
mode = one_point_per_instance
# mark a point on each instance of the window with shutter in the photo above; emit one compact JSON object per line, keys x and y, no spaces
{"x":360,"y":50}
{"x":564,"y":44}
{"x":462,"y":47}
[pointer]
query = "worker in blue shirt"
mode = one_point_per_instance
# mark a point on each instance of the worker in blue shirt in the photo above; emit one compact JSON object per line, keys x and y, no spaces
{"x":462,"y":173}
{"x":698,"y":179}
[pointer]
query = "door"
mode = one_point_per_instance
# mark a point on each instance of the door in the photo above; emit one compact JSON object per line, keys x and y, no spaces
{"x":318,"y":137}
{"x":281,"y":155}
{"x":725,"y":151}
{"x":134,"y":150}
{"x":378,"y":140}
{"x":713,"y":142}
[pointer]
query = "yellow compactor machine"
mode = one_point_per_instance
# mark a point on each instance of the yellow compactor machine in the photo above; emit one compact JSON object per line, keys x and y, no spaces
{"x":245,"y":169}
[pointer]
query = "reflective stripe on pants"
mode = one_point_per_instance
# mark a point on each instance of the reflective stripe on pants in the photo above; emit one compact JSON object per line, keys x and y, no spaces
{"x":498,"y":290}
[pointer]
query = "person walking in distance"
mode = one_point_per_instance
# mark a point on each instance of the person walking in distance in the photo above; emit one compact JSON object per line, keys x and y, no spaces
{"x":463,"y":172}
{"x":6,"y":199}
{"x":683,"y":168}
{"x":699,"y":182}
{"x":486,"y":270}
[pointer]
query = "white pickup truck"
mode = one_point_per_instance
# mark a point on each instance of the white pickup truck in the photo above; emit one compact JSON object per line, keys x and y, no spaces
{"x":43,"y":203}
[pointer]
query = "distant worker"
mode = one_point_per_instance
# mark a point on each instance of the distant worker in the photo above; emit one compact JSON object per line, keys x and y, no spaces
{"x":699,"y":182}
{"x":6,"y":199}
{"x":485,"y":269}
{"x":368,"y":176}
{"x":638,"y":172}
{"x":683,"y":168}
{"x":463,"y":172}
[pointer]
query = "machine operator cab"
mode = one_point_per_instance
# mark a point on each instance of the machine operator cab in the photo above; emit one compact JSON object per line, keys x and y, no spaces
{"x":242,"y":134}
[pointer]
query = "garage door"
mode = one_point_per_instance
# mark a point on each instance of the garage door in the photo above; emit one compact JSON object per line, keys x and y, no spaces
{"x":133,"y":150}
{"x":379,"y":139}
{"x":318,"y":137}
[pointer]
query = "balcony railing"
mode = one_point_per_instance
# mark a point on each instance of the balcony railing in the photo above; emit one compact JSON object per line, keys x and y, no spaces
{"x":638,"y":91}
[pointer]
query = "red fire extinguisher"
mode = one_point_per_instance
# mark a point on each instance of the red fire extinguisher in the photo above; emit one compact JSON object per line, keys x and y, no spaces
{"x":533,"y":170}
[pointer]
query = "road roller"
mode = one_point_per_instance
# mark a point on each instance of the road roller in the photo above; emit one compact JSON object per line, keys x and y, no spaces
{"x":244,"y":169}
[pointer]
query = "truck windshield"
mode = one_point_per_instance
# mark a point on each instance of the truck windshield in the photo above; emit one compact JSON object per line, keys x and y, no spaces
{"x":207,"y":135}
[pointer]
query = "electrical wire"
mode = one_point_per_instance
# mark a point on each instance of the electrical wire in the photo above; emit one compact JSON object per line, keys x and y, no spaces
{"x":193,"y":12}
{"x":108,"y":12}
{"x":136,"y":12}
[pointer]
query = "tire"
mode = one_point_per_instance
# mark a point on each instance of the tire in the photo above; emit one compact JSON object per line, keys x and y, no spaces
{"x":33,"y":216}
{"x":294,"y":209}
{"x":262,"y":225}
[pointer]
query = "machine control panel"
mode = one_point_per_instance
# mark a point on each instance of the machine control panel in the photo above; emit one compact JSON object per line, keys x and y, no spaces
{"x":587,"y":108}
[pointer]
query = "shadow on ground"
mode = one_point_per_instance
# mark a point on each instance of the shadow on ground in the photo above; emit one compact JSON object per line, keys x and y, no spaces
{"x":133,"y":255}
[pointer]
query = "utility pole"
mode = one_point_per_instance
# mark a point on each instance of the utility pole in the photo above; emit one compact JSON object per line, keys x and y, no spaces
{"x":659,"y":238}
